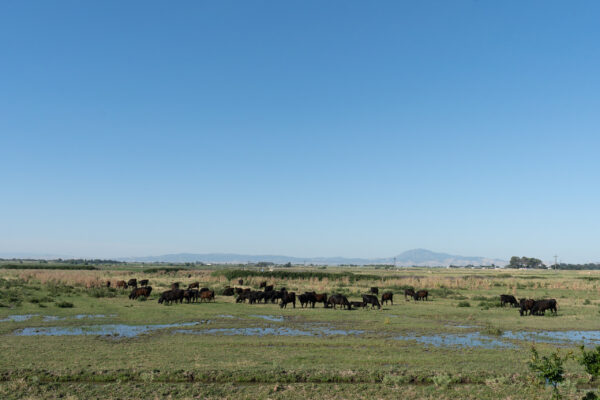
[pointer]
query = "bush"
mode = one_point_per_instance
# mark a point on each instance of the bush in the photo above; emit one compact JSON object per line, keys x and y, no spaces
{"x":64,"y":304}
{"x":587,"y":302}
{"x":549,"y":370}
{"x":591,"y":361}
{"x":464,"y":304}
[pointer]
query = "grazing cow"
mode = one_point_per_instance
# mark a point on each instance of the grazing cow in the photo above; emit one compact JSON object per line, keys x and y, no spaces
{"x":240,"y":282}
{"x":171,"y":296}
{"x":194,"y":285}
{"x":247,"y":290}
{"x":421,"y":295}
{"x":144,"y":282}
{"x":242,"y":297}
{"x":387,"y":296}
{"x":508,"y":299}
{"x":132,"y":282}
{"x":207,"y":295}
{"x":374,"y":290}
{"x":540,"y":307}
{"x":274,"y":295}
{"x":175,"y":286}
{"x":526,"y":305}
{"x":228,"y":292}
{"x":372,"y":300}
{"x":269,"y":288}
{"x":306,"y":299}
{"x":263,"y":284}
{"x":339,"y":299}
{"x":357,"y":304}
{"x":256,"y":297}
{"x":187,"y":295}
{"x":408,"y":293}
{"x":319,"y":298}
{"x":238,"y":290}
{"x":140,"y":292}
{"x":107,"y":283}
{"x":121,"y":284}
{"x":288,"y":298}
{"x":204,"y":289}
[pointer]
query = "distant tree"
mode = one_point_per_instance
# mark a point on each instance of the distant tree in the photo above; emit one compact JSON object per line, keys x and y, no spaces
{"x":526,"y":262}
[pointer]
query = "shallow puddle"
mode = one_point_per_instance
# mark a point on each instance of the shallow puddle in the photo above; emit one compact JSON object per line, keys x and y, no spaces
{"x":18,"y":318}
{"x":561,"y":337}
{"x":117,"y":330}
{"x":474,"y":339}
{"x":272,"y":318}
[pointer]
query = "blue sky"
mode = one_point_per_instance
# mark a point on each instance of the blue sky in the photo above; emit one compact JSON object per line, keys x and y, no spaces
{"x":304,"y":128}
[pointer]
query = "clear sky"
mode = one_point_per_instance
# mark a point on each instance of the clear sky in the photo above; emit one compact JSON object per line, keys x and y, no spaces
{"x":304,"y":128}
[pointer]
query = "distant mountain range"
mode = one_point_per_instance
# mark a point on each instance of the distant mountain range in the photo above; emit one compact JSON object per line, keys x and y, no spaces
{"x":416,"y":257}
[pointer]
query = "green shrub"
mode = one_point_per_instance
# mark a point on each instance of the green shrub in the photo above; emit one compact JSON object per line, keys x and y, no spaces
{"x":464,"y":304}
{"x":548,"y":370}
{"x":587,"y":302}
{"x":64,"y":304}
{"x":590,"y":361}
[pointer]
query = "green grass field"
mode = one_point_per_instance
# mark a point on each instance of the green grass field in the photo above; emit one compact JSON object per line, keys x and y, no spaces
{"x":302,"y":353}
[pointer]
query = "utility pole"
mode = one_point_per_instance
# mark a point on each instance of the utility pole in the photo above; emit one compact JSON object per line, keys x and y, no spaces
{"x":555,"y":262}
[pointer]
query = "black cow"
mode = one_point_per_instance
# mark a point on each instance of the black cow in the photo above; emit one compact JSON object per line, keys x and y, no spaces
{"x":374,"y":290}
{"x":263,"y":284}
{"x":238,"y":290}
{"x":242,"y":297}
{"x":132,"y":282}
{"x":288,"y":297}
{"x":540,"y":307}
{"x":144,"y":282}
{"x":508,"y":299}
{"x":256,"y":297}
{"x":526,"y":306}
{"x":358,"y":304}
{"x":408,"y":293}
{"x":107,"y":283}
{"x":269,"y":288}
{"x":194,"y":285}
{"x":306,"y":299}
{"x":240,"y":282}
{"x":421,"y":295}
{"x":175,"y":286}
{"x":339,"y":299}
{"x":387,"y":296}
{"x":140,"y":292}
{"x":318,"y":298}
{"x":171,"y":296}
{"x":228,"y":292}
{"x":372,"y":300}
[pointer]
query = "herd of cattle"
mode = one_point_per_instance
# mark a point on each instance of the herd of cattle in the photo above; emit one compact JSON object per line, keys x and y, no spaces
{"x":307,"y":299}
{"x":533,"y":307}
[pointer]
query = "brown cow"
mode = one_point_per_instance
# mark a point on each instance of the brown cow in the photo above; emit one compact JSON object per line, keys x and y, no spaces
{"x":387,"y":296}
{"x":194,"y":285}
{"x":207,"y":295}
{"x":421,"y":295}
{"x":121,"y":284}
{"x":139,"y":292}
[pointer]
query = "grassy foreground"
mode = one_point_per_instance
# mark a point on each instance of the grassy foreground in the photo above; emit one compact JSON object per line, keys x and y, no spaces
{"x":373,"y":364}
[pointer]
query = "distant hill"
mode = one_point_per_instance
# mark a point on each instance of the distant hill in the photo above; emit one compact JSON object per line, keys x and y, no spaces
{"x":416,"y":257}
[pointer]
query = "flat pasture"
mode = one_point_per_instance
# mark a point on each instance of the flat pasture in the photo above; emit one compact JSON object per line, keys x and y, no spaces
{"x":65,"y":335}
